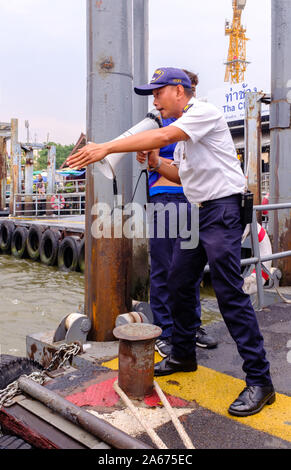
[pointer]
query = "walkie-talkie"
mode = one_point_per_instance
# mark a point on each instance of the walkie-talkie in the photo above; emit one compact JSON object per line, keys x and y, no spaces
{"x":247,"y":204}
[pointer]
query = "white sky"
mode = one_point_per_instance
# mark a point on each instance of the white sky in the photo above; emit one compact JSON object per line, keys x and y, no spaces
{"x":43,"y":55}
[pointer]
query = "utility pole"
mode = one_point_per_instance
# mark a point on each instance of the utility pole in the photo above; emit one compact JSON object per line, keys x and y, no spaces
{"x":140,"y":270}
{"x":280,"y":119}
{"x":109,"y":114}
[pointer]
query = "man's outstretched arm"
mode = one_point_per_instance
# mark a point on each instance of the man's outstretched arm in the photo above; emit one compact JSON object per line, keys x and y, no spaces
{"x":148,"y":140}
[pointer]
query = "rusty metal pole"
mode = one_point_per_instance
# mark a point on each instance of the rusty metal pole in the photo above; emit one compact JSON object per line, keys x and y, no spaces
{"x":3,"y":173}
{"x":253,"y":144}
{"x":109,"y":113}
{"x":136,"y":358}
{"x":280,"y":126}
{"x":14,"y":204}
{"x":28,"y":198}
{"x":140,"y":264}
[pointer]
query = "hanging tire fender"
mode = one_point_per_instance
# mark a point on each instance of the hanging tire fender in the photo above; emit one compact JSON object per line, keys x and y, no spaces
{"x":7,"y":228}
{"x":33,"y":241}
{"x":69,"y":254}
{"x":18,"y":242}
{"x":12,"y":367}
{"x":49,"y":247}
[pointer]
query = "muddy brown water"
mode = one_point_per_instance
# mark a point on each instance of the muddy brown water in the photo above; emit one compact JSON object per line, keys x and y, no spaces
{"x":34,"y":298}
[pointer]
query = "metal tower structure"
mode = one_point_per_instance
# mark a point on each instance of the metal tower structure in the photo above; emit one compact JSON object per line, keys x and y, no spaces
{"x":236,"y":62}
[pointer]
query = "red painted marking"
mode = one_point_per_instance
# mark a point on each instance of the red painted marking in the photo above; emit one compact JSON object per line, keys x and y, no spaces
{"x":154,"y":400}
{"x":101,"y":394}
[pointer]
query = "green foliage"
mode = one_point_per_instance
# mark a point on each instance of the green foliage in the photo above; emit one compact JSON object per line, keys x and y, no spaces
{"x":62,"y":153}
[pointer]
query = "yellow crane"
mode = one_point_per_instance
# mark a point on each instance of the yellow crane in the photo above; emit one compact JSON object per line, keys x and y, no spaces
{"x":236,"y":61}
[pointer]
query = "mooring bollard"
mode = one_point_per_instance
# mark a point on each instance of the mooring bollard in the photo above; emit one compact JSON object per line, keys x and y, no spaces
{"x":136,"y":358}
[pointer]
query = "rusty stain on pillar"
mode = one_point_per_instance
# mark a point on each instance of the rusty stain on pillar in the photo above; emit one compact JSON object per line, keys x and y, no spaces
{"x":280,"y":126}
{"x":3,"y":173}
{"x":109,"y":114}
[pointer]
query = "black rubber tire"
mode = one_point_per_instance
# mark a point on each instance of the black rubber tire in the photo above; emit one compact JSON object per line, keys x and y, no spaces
{"x":9,"y":442}
{"x":6,"y":230}
{"x":49,"y":247}
{"x":81,"y":256}
{"x":18,"y":242}
{"x":33,"y":241}
{"x":68,"y":254}
{"x":12,"y":367}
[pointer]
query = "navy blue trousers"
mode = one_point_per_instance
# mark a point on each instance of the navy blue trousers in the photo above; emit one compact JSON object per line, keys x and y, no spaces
{"x":220,"y":232}
{"x":161,"y":252}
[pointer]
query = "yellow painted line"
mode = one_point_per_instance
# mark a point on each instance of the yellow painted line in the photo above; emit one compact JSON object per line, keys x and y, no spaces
{"x":216,"y":391}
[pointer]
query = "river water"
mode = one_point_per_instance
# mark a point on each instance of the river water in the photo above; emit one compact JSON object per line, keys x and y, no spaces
{"x":34,"y":298}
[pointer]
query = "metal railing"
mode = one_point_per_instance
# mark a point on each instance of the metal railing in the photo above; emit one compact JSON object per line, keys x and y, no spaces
{"x":257,"y":260}
{"x":60,"y":204}
{"x":76,"y":186}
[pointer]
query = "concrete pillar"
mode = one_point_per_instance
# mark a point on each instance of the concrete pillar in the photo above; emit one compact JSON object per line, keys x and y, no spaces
{"x":280,"y":162}
{"x":28,"y":206}
{"x":51,"y":177}
{"x":3,"y":173}
{"x":109,"y":114}
{"x":15,"y":169}
{"x":51,"y":169}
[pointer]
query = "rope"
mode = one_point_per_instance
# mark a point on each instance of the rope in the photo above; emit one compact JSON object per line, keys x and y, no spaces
{"x":153,"y":435}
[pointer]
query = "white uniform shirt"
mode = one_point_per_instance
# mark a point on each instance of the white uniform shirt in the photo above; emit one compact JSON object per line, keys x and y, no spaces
{"x":208,"y":164}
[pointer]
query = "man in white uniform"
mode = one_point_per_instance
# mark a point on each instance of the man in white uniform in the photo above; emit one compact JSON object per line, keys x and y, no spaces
{"x":205,"y":163}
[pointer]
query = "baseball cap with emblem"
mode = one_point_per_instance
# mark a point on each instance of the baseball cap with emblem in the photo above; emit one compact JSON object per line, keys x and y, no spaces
{"x":162,"y":77}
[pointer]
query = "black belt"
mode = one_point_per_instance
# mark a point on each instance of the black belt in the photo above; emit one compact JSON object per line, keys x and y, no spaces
{"x":223,"y":200}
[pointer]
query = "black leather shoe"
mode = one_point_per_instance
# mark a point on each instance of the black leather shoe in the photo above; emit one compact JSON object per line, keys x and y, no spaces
{"x":170,"y":365}
{"x":252,"y":399}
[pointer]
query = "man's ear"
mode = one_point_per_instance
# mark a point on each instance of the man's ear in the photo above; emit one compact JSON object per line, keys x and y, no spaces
{"x":180,"y":91}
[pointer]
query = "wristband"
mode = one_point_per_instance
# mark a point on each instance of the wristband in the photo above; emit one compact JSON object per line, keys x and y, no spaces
{"x":158,"y":165}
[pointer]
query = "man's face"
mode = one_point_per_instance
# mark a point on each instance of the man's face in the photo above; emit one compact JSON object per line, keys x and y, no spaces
{"x":166,"y":101}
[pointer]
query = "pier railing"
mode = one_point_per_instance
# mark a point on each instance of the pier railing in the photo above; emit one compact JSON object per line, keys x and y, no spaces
{"x":60,"y":204}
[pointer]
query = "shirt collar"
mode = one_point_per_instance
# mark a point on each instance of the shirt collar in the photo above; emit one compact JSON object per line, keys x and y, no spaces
{"x":189,"y":105}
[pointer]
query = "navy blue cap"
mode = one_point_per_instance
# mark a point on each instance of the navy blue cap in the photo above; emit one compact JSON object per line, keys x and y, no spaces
{"x":163,"y":77}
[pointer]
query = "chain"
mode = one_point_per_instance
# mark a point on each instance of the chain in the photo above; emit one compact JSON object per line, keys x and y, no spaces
{"x":62,"y":355}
